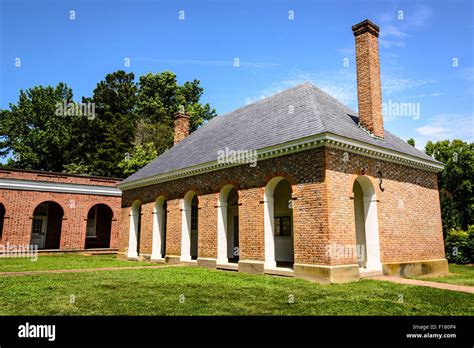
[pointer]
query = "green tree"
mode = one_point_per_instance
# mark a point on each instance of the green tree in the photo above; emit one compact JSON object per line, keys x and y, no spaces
{"x":139,"y":158}
{"x":35,"y":132}
{"x":112,"y":133}
{"x":455,"y":181}
{"x":411,"y":141}
{"x":127,"y":115}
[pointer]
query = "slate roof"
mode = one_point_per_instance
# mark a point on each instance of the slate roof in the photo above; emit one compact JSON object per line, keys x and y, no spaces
{"x":267,"y":123}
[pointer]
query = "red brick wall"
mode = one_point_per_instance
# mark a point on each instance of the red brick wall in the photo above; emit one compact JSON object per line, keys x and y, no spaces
{"x":173,"y":228}
{"x":307,"y":177}
{"x":207,"y":225}
{"x":251,"y":237}
{"x":323,"y":208}
{"x":20,"y":205}
{"x":369,"y":90}
{"x":409,"y":215}
{"x":181,"y":127}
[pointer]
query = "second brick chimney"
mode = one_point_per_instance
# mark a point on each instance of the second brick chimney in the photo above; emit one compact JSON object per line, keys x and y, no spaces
{"x":181,"y":126}
{"x":369,"y":91}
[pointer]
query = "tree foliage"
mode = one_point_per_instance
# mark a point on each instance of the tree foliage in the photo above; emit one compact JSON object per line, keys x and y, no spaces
{"x":455,"y":181}
{"x":33,"y":134}
{"x":129,"y":117}
{"x":138,"y":159}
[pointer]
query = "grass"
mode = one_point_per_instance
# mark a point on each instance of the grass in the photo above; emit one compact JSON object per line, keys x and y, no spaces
{"x":460,"y":275}
{"x":50,"y":262}
{"x":209,"y":292}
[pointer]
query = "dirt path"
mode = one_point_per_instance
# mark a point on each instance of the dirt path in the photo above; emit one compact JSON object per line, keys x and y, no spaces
{"x":78,"y":270}
{"x":443,"y":286}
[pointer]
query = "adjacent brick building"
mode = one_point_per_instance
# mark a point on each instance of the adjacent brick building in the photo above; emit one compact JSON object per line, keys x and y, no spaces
{"x":306,"y":187}
{"x":56,"y":211}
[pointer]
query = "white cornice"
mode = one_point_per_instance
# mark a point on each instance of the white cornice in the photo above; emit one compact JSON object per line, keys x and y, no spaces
{"x":324,"y":139}
{"x":29,"y":185}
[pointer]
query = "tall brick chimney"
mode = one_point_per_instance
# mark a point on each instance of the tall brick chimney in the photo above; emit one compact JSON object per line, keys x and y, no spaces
{"x":369,"y":91}
{"x":181,"y":126}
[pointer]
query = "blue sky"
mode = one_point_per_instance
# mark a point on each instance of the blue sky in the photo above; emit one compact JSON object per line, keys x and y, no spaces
{"x":426,"y":51}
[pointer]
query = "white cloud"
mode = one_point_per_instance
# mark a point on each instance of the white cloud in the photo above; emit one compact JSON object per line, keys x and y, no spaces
{"x":445,"y":126}
{"x":423,"y":95}
{"x":391,"y":43}
{"x":431,"y":130}
{"x":393,"y":84}
{"x":391,"y":30}
{"x":394,"y":31}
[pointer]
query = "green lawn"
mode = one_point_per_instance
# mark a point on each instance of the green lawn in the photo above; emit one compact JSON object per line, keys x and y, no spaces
{"x":65,"y":261}
{"x":460,"y":275}
{"x":197,"y":291}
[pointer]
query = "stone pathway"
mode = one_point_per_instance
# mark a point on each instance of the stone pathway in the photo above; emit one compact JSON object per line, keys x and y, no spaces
{"x":78,"y":270}
{"x":443,"y":286}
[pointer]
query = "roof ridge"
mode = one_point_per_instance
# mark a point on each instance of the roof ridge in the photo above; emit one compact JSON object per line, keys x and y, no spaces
{"x":315,"y":104}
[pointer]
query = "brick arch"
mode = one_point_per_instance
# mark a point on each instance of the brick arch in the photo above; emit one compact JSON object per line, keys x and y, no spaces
{"x":102,"y":228}
{"x":355,"y":176}
{"x":136,"y":199}
{"x":159,"y":195}
{"x":187,"y":245}
{"x":226,"y":182}
{"x":134,"y":229}
{"x":285,"y":175}
{"x":53,"y":239}
{"x":41,"y":201}
{"x":192,"y":189}
{"x":222,"y":223}
{"x":366,"y":217}
{"x":158,"y":250}
{"x":272,"y":245}
{"x":93,"y":204}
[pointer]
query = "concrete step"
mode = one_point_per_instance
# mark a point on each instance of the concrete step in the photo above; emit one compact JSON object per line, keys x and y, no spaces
{"x":280,"y":271}
{"x":228,"y":266}
{"x":364,"y":273}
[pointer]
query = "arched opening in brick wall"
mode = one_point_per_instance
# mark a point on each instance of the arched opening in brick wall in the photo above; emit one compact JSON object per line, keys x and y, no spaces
{"x":278,"y":224}
{"x":46,"y":225}
{"x":228,"y":226}
{"x":366,"y":225}
{"x":2,"y":219}
{"x":190,"y":221}
{"x":158,"y":251}
{"x":99,"y":226}
{"x":135,"y":226}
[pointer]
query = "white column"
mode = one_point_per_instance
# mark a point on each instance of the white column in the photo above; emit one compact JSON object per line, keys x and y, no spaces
{"x":158,"y":228}
{"x":268,"y":231}
{"x":372,"y":234}
{"x":222,"y":233}
{"x":132,"y":240}
{"x":186,"y":233}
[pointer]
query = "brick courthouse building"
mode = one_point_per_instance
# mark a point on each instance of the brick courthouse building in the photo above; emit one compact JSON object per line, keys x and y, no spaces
{"x":331,"y":195}
{"x":57,"y":212}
